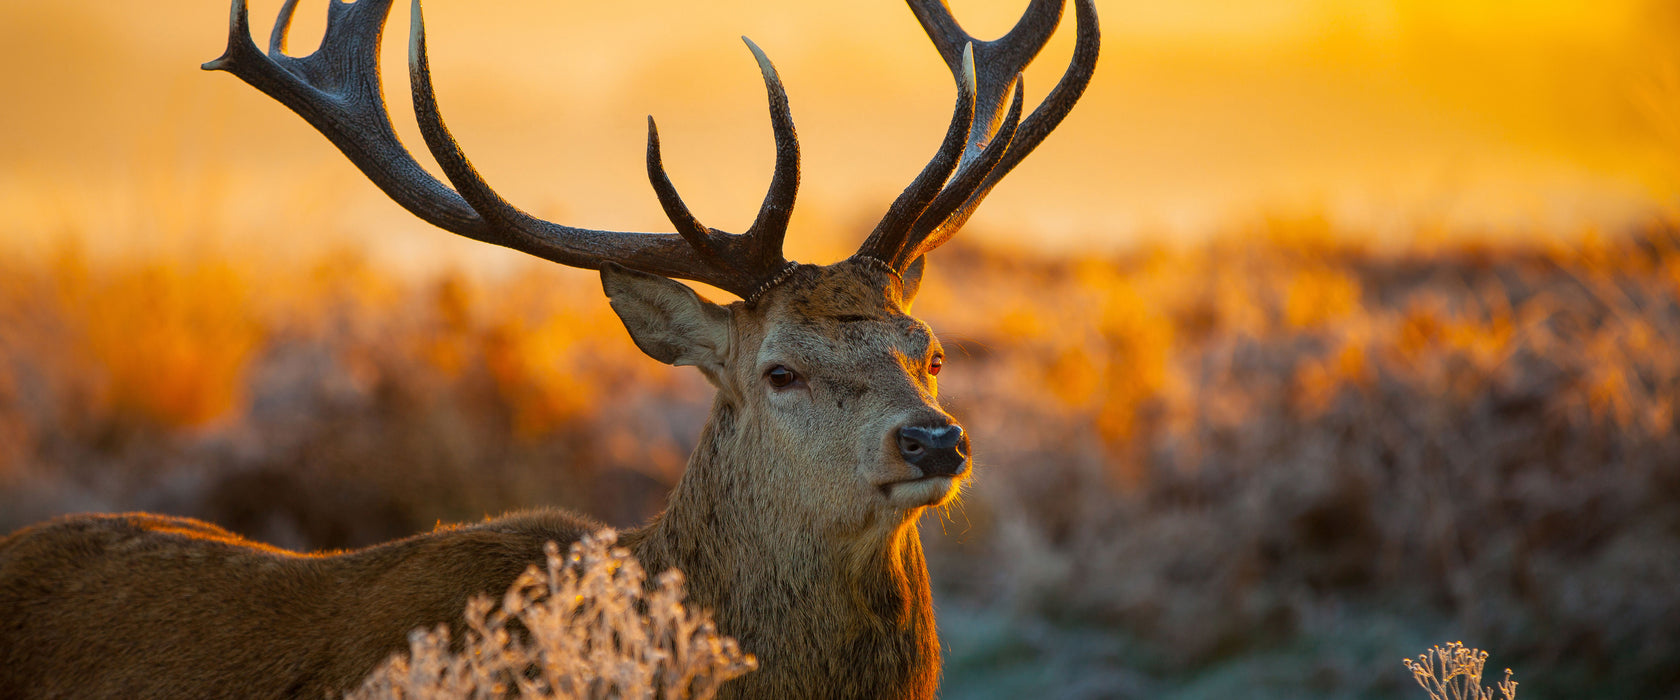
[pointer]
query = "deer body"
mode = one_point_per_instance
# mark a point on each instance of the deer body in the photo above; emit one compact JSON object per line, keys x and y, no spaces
{"x":794,"y":522}
{"x":146,"y":606}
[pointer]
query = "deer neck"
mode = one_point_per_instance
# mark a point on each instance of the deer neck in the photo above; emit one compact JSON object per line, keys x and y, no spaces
{"x":834,"y":612}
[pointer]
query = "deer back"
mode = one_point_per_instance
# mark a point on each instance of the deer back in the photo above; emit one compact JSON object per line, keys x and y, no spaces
{"x":138,"y":605}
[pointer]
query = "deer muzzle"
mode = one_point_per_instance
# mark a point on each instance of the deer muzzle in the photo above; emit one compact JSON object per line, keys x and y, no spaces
{"x":940,"y":450}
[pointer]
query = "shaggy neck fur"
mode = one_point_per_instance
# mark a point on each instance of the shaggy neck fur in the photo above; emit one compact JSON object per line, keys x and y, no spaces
{"x":829,"y":614}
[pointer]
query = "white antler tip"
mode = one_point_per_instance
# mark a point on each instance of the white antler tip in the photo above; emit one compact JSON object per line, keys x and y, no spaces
{"x":764,"y":64}
{"x":969,"y":81}
{"x":416,"y":35}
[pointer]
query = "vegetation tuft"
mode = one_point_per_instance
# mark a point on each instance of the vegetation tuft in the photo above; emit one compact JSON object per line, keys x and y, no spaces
{"x":584,"y":628}
{"x":1454,"y":672}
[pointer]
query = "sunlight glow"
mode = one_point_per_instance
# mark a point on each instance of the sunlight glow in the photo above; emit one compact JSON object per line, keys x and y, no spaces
{"x":1476,"y":115}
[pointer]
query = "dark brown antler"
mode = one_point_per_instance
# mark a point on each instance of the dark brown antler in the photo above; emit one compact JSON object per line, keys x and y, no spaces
{"x":336,"y":89}
{"x":984,"y":142}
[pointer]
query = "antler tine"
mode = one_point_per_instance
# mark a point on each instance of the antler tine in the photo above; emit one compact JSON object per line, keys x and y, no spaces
{"x":564,"y":243}
{"x":764,"y":238}
{"x":770,"y":227}
{"x":996,"y":69}
{"x":888,"y":237}
{"x":925,"y":234}
{"x":337,"y":91}
{"x":282,"y":25}
{"x":460,"y":171}
{"x":1043,"y":120}
{"x":997,"y":62}
{"x":689,"y":227}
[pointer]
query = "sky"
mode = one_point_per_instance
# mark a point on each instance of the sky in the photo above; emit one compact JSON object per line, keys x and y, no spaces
{"x":1387,"y":117}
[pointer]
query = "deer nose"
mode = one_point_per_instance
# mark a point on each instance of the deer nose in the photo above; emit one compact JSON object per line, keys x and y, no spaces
{"x":937,"y":450}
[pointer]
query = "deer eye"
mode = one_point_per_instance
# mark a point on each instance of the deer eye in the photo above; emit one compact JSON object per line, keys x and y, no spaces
{"x":780,"y":377}
{"x":935,"y":364}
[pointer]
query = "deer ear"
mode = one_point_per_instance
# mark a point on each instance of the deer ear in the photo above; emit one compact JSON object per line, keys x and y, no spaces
{"x":667,"y":320}
{"x":913,"y":279}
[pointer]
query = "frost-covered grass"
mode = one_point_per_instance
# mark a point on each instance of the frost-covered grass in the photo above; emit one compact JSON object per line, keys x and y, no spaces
{"x":1454,"y":672}
{"x":583,"y":628}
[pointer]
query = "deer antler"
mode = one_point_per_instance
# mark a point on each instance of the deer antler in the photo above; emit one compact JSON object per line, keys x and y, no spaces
{"x":336,"y":89}
{"x":983,"y":143}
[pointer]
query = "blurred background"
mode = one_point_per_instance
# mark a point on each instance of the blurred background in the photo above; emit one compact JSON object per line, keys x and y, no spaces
{"x":1322,"y":331}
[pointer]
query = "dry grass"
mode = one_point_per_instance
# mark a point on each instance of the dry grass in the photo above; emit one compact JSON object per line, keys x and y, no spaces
{"x":1190,"y":461}
{"x":585,"y":628}
{"x":1454,"y":672}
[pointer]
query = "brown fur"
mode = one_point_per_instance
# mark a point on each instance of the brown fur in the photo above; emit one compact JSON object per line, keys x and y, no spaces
{"x":781,"y":523}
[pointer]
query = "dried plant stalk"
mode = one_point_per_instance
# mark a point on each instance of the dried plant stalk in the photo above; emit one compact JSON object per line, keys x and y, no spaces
{"x":586,"y":627}
{"x":1454,"y":672}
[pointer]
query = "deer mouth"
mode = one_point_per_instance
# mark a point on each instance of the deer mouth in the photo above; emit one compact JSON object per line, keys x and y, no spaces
{"x":920,"y":491}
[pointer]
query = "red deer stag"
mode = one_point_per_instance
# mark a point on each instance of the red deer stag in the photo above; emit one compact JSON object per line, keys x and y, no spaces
{"x":795,"y":520}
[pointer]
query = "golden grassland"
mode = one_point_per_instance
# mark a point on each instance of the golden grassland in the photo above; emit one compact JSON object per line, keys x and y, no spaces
{"x":1270,"y":464}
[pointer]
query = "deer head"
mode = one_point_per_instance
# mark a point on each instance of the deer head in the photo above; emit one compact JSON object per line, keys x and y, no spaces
{"x":831,"y":383}
{"x":826,"y":359}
